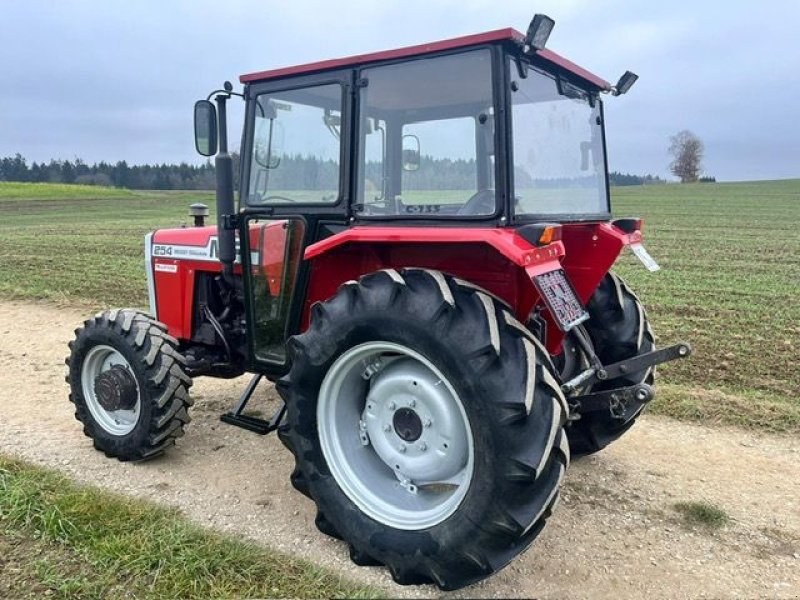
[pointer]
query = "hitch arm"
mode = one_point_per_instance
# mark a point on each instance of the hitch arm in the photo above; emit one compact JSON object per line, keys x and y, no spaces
{"x":630,"y":365}
{"x":644,"y":361}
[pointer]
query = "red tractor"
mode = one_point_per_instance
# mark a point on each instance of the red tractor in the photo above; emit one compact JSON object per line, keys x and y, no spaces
{"x":419,"y":259}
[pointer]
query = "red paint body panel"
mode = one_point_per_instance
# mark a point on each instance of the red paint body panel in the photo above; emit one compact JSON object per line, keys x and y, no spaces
{"x":174,"y":274}
{"x":186,"y":236}
{"x":505,"y":241}
{"x":271,"y":244}
{"x":570,"y":66}
{"x":175,"y":283}
{"x":498,"y":35}
{"x":496,"y":259}
{"x":591,"y":250}
{"x":475,"y":262}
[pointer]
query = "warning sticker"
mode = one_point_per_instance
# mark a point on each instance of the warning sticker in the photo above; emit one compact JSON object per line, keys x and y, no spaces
{"x":166,"y":268}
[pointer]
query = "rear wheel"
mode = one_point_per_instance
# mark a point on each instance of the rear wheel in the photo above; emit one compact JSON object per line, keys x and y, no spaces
{"x":618,"y":329}
{"x":426,"y":425}
{"x":128,"y":384}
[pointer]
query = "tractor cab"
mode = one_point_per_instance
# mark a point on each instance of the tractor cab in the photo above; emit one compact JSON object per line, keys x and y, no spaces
{"x":483,"y":129}
{"x":420,"y":259}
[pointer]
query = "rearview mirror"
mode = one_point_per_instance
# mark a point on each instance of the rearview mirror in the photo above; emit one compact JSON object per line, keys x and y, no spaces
{"x":411,"y":157}
{"x":205,"y":128}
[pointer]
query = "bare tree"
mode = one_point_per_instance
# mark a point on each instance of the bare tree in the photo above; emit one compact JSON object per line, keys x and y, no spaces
{"x":687,"y":153}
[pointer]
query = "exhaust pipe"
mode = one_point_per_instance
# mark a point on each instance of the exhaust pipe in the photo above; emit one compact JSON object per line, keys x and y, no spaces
{"x":226,"y":208}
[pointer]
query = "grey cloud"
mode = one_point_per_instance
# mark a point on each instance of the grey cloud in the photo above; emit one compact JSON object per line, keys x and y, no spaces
{"x":111,"y":80}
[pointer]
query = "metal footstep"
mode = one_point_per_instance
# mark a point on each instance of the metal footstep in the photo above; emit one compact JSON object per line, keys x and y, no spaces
{"x":254,"y":424}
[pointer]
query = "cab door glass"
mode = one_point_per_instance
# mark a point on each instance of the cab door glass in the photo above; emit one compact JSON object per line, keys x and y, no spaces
{"x":276,"y":249}
{"x":296,"y":149}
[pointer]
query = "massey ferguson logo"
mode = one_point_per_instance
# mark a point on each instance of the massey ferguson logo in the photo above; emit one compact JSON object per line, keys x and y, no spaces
{"x":209,"y":252}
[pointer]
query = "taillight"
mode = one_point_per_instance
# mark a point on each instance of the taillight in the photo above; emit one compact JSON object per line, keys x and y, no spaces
{"x":551,"y":233}
{"x":540,"y":234}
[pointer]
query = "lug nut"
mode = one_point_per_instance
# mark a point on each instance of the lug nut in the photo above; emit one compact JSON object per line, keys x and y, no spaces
{"x":387,"y":427}
{"x":428,"y":423}
{"x":423,"y":446}
{"x":413,"y":403}
{"x":401,"y":448}
{"x":392,"y":405}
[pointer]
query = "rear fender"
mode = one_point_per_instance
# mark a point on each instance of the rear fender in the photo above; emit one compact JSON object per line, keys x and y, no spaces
{"x":497,"y":260}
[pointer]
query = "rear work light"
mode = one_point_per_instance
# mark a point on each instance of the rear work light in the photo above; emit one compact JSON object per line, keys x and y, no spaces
{"x":538,"y":32}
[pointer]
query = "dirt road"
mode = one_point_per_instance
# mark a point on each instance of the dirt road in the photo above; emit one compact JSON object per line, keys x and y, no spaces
{"x":615,"y":533}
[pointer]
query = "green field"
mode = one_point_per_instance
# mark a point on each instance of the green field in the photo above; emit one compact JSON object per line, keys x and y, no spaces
{"x":730,"y":279}
{"x":730,"y":254}
{"x":83,"y":244}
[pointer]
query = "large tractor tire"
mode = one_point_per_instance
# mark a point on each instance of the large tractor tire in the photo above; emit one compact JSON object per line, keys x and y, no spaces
{"x":426,"y":425}
{"x":618,"y":329}
{"x":128,"y":384}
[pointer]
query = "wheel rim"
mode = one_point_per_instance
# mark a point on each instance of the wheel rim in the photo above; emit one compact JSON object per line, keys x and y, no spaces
{"x":98,"y":360}
{"x":395,"y":435}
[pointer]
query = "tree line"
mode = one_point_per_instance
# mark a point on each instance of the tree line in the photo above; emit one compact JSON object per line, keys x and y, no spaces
{"x":182,"y":176}
{"x":293,"y":172}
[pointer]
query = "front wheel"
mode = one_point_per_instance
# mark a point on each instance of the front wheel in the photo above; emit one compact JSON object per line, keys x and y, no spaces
{"x":426,"y":425}
{"x":128,"y":384}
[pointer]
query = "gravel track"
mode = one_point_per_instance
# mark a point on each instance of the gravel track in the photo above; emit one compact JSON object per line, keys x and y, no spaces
{"x":615,"y":533}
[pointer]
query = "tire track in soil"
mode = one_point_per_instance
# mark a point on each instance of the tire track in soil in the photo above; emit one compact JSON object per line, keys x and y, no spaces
{"x":614,"y":534}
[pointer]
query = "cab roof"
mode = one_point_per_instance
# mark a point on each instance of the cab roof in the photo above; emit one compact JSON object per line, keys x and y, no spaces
{"x":498,"y":35}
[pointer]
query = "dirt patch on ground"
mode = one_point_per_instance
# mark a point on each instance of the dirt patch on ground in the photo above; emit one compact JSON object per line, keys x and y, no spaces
{"x":615,"y":534}
{"x":18,"y":578}
{"x":32,"y":569}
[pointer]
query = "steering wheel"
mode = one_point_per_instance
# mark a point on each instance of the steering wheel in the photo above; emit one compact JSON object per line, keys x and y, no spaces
{"x":481,"y":203}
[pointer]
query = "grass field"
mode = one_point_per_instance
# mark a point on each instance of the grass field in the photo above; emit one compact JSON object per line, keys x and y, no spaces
{"x":68,"y":541}
{"x":83,"y":244}
{"x":730,"y":254}
{"x":730,"y":279}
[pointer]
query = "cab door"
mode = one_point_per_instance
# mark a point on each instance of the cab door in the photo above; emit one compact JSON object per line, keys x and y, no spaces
{"x":296,"y":189}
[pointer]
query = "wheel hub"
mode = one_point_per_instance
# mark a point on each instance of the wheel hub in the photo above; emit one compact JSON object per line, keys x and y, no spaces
{"x":414,"y":423}
{"x":407,"y":425}
{"x":116,"y":389}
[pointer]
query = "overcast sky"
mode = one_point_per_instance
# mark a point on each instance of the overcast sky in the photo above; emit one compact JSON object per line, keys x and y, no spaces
{"x":112,"y":80}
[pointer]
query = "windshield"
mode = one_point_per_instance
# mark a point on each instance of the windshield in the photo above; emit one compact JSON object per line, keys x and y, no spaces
{"x":427,"y":138}
{"x":559,"y":156}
